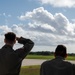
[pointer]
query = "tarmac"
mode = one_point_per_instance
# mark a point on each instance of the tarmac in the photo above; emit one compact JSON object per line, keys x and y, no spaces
{"x":29,"y":62}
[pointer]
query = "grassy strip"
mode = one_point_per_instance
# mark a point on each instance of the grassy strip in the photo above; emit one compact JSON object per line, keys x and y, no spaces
{"x":30,"y":70}
{"x":35,"y":70}
{"x":47,"y":57}
{"x":70,"y":58}
{"x":39,"y":57}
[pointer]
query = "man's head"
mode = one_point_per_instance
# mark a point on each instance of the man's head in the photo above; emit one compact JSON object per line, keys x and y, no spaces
{"x":10,"y":38}
{"x":61,"y":51}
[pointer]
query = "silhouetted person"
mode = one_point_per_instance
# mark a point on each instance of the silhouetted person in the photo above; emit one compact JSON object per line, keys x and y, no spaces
{"x":10,"y":59}
{"x":58,"y":66}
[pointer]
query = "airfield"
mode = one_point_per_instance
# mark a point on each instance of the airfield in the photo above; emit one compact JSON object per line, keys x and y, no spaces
{"x":29,"y":62}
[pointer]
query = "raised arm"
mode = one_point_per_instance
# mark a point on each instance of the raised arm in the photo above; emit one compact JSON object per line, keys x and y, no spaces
{"x":27,"y":46}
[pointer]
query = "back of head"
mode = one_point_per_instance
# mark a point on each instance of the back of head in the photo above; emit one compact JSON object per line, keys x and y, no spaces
{"x":60,"y":51}
{"x":10,"y":36}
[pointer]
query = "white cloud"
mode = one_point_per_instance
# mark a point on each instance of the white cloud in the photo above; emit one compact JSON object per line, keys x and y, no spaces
{"x":73,"y":20}
{"x":9,"y":15}
{"x":5,"y":28}
{"x":59,"y":3}
{"x":37,"y":14}
{"x":4,"y":14}
{"x":44,"y":28}
{"x":42,"y":20}
{"x":18,"y":30}
{"x":49,"y":29}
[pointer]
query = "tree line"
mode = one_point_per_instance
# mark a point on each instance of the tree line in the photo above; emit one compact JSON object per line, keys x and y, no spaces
{"x":47,"y":53}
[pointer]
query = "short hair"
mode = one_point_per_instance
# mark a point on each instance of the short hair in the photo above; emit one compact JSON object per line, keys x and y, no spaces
{"x":10,"y":36}
{"x":60,"y":50}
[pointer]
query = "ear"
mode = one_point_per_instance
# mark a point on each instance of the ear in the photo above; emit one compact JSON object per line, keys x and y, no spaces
{"x":4,"y":41}
{"x":14,"y":41}
{"x":66,"y":56}
{"x":54,"y":55}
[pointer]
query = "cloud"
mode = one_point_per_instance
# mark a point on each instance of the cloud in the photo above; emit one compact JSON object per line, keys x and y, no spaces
{"x":5,"y":28}
{"x":73,"y":20}
{"x":9,"y":15}
{"x":44,"y":28}
{"x":4,"y":14}
{"x":49,"y":29}
{"x":59,"y":3}
{"x":42,"y":20}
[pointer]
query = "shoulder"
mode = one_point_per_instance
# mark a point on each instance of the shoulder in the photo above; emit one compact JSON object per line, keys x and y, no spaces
{"x":47,"y":62}
{"x":69,"y":64}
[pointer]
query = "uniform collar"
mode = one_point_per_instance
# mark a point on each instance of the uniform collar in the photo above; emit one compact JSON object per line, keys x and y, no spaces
{"x":59,"y":57}
{"x":7,"y":46}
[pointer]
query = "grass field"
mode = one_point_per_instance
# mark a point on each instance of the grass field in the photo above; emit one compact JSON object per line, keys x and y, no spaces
{"x":35,"y":70}
{"x":39,"y":57}
{"x":30,"y":70}
{"x":47,"y":57}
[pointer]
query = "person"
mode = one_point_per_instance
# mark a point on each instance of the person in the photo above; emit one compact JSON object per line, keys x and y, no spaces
{"x":10,"y":59}
{"x":58,"y":65}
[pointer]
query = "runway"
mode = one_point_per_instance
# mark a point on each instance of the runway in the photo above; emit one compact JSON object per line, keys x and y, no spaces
{"x":28,"y":62}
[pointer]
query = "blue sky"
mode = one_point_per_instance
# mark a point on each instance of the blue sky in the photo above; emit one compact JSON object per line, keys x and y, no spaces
{"x":47,"y":22}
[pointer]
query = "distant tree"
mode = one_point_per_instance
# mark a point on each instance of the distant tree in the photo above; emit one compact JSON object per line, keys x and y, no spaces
{"x":71,"y":54}
{"x":41,"y":53}
{"x":47,"y":53}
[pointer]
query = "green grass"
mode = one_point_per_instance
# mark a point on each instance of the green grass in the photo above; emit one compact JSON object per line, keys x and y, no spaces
{"x":30,"y":70}
{"x":35,"y":70}
{"x":70,"y":58}
{"x":39,"y":57}
{"x":47,"y":57}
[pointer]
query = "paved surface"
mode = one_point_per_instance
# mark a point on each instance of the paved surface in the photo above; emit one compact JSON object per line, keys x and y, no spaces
{"x":72,"y":62}
{"x":28,"y":62}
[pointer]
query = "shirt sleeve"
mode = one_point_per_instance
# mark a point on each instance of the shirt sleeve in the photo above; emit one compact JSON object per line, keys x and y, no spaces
{"x":27,"y":46}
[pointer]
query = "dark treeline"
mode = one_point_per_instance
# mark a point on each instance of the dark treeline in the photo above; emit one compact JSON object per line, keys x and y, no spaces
{"x":41,"y":53}
{"x":47,"y":53}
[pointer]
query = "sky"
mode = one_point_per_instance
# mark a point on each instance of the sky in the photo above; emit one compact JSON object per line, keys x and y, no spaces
{"x":46,"y":22}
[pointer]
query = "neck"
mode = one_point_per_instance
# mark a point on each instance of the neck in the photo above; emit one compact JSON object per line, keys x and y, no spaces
{"x":60,"y":57}
{"x":9,"y":44}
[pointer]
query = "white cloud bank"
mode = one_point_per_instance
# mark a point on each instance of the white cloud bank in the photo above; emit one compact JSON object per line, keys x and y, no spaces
{"x":59,"y":3}
{"x":44,"y":28}
{"x":51,"y":29}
